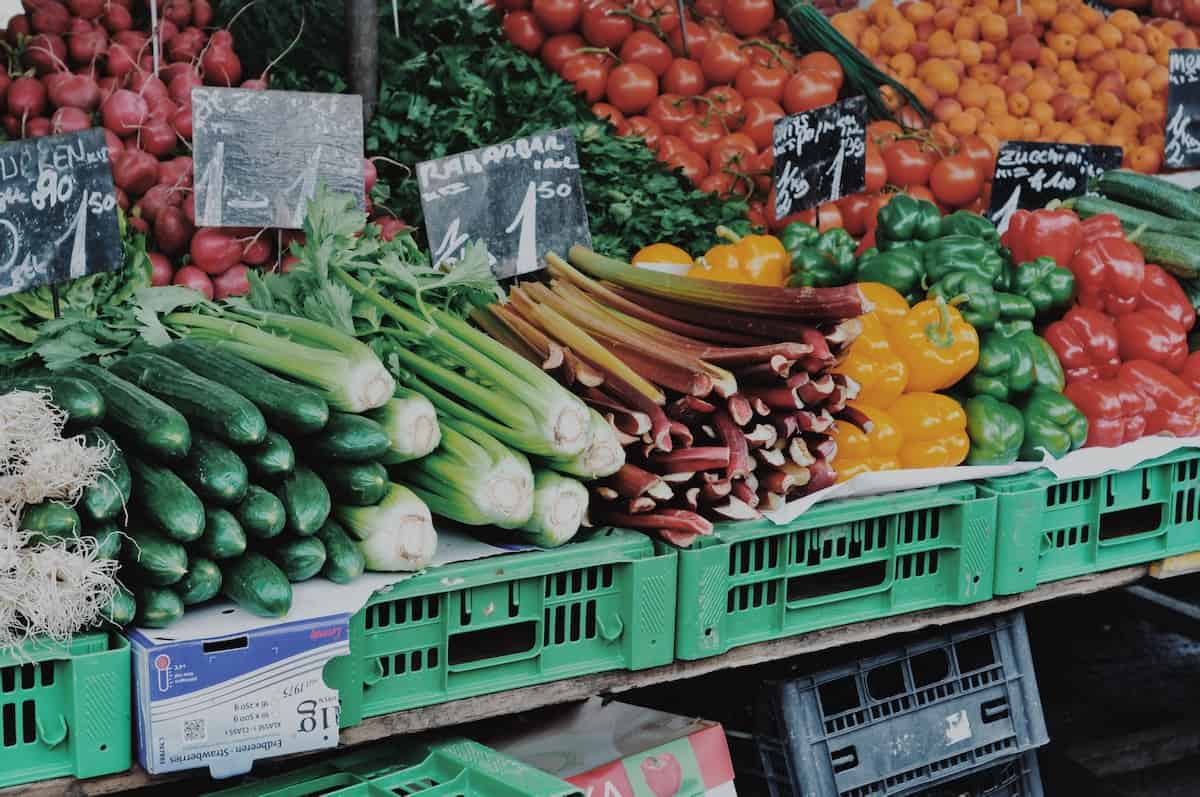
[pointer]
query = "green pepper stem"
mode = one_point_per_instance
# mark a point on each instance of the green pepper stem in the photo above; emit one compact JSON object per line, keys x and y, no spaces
{"x":728,"y":234}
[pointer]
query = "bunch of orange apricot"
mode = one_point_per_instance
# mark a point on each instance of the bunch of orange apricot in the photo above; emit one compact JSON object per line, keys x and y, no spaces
{"x":1033,"y":70}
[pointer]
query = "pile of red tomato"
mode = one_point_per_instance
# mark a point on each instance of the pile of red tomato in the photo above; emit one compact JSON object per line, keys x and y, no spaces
{"x":708,"y":107}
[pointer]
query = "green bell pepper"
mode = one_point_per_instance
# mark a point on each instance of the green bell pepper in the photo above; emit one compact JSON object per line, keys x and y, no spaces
{"x":1053,"y":425}
{"x":963,"y":222}
{"x":1047,"y":370}
{"x":905,"y":219}
{"x":1005,"y":368}
{"x":996,"y":429}
{"x":819,"y":260}
{"x":900,"y":269}
{"x":1046,"y":284}
{"x":1009,"y":328}
{"x":972,"y":295}
{"x":798,"y":235}
{"x":963,"y":253}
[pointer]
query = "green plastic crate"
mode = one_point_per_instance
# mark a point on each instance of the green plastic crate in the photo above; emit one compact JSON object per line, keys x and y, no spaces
{"x":65,"y":709}
{"x":452,"y":768}
{"x":605,"y":603}
{"x":840,"y":562}
{"x":1048,"y":529}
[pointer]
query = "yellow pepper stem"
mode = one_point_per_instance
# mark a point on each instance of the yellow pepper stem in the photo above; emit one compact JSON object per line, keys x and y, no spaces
{"x":728,"y":234}
{"x":939,"y":333}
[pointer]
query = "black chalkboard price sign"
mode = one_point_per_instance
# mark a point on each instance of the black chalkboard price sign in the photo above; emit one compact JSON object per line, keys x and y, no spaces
{"x":58,"y":211}
{"x":1181,"y":145}
{"x":1029,"y":174}
{"x":261,"y":154}
{"x":820,"y":155}
{"x":523,"y":198}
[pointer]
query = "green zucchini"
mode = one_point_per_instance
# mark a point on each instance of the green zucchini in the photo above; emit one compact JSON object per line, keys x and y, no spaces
{"x":261,"y":514}
{"x":256,"y":584}
{"x":81,"y":401}
{"x":136,"y":416}
{"x":166,"y":500}
{"x":286,"y":405}
{"x":106,"y":498}
{"x":344,"y":562}
{"x":356,"y":483}
{"x":300,"y":558}
{"x":349,"y":438}
{"x":1151,"y":193}
{"x":155,"y":559}
{"x":223,"y":536}
{"x":272,"y":460}
{"x":121,"y":608}
{"x":214,"y":471}
{"x":1180,"y":256}
{"x":305,"y":500}
{"x":157,"y":607}
{"x":109,"y":539}
{"x":1131,"y":217}
{"x":219,"y":410}
{"x":202,"y":582}
{"x":50,"y":521}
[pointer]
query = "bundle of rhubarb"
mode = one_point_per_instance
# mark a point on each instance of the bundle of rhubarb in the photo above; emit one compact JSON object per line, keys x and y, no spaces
{"x":723,"y":395}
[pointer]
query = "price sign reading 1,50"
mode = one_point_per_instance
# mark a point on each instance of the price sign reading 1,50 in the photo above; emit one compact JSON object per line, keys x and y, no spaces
{"x":522,"y":198}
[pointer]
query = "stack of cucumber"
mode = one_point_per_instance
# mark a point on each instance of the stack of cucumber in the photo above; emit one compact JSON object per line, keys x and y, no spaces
{"x":224,"y":481}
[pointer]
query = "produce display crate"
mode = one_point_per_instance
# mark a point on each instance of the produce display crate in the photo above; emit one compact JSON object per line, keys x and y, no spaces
{"x":926,"y":714}
{"x":447,"y":768}
{"x":1048,"y":529}
{"x":604,"y":603}
{"x":840,"y":562}
{"x":1019,"y":777}
{"x":65,"y":709}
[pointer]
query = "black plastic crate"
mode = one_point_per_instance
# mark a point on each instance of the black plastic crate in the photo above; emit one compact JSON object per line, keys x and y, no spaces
{"x":1019,"y":777}
{"x":951,"y":704}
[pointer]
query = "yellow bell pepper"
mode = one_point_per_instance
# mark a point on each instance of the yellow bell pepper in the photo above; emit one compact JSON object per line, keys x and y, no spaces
{"x":934,"y":428}
{"x":859,"y":451}
{"x":752,"y":259}
{"x":666,"y":258}
{"x":880,"y":373}
{"x":935,"y":342}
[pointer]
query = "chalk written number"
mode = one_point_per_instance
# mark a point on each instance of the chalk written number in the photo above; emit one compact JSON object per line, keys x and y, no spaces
{"x":1057,"y":181}
{"x":524,"y":223}
{"x":53,"y":189}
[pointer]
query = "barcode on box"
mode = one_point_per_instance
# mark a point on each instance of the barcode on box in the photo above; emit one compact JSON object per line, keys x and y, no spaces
{"x":195,"y":730}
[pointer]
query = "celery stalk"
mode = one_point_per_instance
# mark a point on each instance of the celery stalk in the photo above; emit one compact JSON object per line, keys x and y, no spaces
{"x":560,"y":505}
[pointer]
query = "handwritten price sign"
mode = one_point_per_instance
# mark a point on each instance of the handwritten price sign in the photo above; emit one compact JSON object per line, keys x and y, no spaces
{"x":820,"y":156}
{"x":1181,"y":147}
{"x":58,"y":211}
{"x":522,"y":197}
{"x":1031,"y":173}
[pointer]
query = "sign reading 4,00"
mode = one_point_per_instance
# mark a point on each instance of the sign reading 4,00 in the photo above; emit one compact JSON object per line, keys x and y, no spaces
{"x":522,"y":198}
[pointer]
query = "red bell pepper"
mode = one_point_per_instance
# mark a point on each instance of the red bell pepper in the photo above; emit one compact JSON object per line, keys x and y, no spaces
{"x":1161,"y":291}
{"x":1115,"y":411}
{"x":1043,"y":233}
{"x":1086,"y":344}
{"x":1103,"y":225}
{"x":1152,"y":335}
{"x":1172,"y":405}
{"x":1109,"y":274}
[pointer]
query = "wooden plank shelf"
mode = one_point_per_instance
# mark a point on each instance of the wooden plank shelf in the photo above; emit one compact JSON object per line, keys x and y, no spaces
{"x":459,"y":712}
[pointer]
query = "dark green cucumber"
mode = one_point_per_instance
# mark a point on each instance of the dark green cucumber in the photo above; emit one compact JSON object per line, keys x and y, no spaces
{"x":106,"y":498}
{"x":349,"y":438}
{"x":261,"y":514}
{"x":356,"y":483}
{"x":286,"y":405}
{"x":109,"y":539}
{"x":1180,"y":256}
{"x":344,"y":562}
{"x":136,"y":416}
{"x":121,"y":609}
{"x":272,"y":460}
{"x":256,"y":584}
{"x":155,"y":559}
{"x":223,"y":535}
{"x":82,"y":402}
{"x":50,"y":521}
{"x":1131,"y":217}
{"x":300,"y":558}
{"x":305,"y":500}
{"x":219,"y":410}
{"x":157,"y":607}
{"x":202,"y":582}
{"x":1151,"y":193}
{"x":166,"y":500}
{"x":214,"y":471}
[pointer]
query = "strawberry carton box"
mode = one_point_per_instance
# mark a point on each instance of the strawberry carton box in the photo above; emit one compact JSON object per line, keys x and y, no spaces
{"x":618,"y":750}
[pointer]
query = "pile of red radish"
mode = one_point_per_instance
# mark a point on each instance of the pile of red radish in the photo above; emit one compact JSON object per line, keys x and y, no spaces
{"x":91,"y":63}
